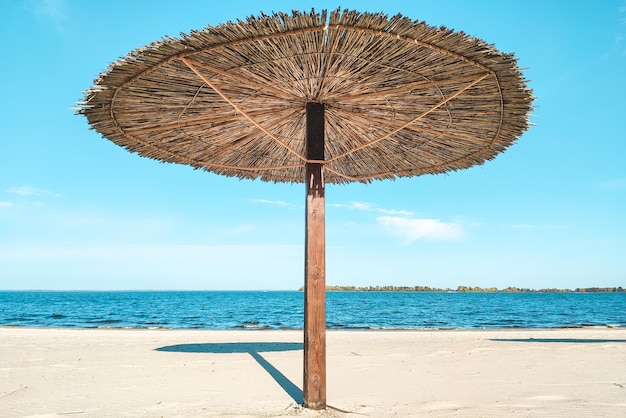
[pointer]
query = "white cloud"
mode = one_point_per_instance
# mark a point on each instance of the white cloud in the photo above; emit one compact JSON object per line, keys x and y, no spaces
{"x":361,"y":206}
{"x":281,"y":203}
{"x":6,"y":204}
{"x":413,"y":229}
{"x":369,"y":207}
{"x":395,"y":212}
{"x":31,"y":191}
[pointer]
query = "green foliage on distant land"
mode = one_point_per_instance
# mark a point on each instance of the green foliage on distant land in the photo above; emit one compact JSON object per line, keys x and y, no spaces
{"x":510,"y":289}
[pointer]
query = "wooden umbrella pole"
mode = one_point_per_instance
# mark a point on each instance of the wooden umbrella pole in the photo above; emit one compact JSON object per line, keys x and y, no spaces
{"x":314,"y":387}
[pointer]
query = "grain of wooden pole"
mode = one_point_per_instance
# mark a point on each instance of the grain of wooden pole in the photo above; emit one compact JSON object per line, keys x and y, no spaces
{"x":314,"y":386}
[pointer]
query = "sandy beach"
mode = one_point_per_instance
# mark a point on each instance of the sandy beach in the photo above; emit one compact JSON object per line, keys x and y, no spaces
{"x":179,"y":373}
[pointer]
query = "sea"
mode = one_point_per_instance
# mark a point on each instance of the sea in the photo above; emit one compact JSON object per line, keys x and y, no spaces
{"x":249,"y":310}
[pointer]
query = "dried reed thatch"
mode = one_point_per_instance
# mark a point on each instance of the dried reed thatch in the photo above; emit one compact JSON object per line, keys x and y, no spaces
{"x":402,"y":98}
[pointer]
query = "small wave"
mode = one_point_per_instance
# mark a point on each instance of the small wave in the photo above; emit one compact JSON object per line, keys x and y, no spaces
{"x":118,"y":327}
{"x":104,"y":321}
{"x":252,"y":326}
{"x":352,"y":327}
{"x":19,"y":319}
{"x":57,"y":316}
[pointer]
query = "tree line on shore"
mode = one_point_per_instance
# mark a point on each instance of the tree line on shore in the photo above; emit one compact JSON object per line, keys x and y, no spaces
{"x":510,"y":289}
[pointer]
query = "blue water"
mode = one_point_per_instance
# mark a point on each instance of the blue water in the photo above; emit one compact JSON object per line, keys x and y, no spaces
{"x":284,"y":310}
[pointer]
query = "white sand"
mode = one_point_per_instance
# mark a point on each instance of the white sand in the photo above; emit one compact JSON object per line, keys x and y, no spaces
{"x":121,"y":373}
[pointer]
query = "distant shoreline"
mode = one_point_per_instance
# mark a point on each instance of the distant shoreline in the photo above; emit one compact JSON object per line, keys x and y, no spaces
{"x":469,"y":289}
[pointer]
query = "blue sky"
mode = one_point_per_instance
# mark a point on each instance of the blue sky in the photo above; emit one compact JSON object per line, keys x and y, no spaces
{"x":78,"y":212}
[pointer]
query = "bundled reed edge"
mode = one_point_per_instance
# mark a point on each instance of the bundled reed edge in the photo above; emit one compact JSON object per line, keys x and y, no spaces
{"x":401,"y":98}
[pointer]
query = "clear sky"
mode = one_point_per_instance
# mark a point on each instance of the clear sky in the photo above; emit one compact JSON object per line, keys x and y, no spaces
{"x":78,"y":212}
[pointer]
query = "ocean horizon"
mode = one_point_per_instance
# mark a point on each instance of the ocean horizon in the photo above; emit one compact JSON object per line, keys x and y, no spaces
{"x":274,"y":309}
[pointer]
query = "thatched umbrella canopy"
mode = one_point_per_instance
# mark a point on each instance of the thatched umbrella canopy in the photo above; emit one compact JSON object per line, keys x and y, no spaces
{"x":317,"y":98}
{"x":402,"y":98}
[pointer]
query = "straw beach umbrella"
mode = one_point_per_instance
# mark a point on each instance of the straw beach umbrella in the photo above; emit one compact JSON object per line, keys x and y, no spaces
{"x":314,"y":97}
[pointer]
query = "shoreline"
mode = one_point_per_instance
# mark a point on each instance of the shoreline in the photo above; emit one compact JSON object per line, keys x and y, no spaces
{"x":574,"y":372}
{"x":328,"y":330}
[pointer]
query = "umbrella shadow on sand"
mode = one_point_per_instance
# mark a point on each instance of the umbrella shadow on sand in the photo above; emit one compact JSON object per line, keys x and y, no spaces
{"x":252,"y":348}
